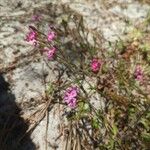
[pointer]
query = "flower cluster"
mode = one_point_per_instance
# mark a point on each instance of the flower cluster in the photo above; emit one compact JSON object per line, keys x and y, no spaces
{"x":32,"y":38}
{"x":96,"y":65}
{"x":70,"y":96}
{"x":138,"y":73}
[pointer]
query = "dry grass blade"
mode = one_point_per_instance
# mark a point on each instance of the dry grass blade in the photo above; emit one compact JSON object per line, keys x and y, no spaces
{"x":46,"y":132}
{"x":41,"y":115}
{"x":79,"y":142}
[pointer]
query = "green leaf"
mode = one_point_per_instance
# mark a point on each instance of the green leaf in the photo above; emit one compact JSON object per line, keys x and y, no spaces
{"x":50,"y":88}
{"x":146,"y":137}
{"x":114,"y":129}
{"x":145,"y":47}
{"x":145,"y":123}
{"x":95,"y":123}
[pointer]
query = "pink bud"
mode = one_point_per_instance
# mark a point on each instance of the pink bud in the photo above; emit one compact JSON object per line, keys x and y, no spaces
{"x":138,"y":73}
{"x":51,"y":35}
{"x":95,"y":65}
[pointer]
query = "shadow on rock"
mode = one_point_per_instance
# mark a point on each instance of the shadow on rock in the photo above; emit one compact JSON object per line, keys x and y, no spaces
{"x":12,"y":126}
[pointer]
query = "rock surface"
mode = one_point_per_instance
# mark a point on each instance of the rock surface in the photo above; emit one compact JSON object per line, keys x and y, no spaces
{"x":23,"y":69}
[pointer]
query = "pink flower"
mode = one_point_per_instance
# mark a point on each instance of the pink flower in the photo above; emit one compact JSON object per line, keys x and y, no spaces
{"x":36,"y":17}
{"x":95,"y":65}
{"x":72,"y":103}
{"x":70,"y":96}
{"x":31,"y":37}
{"x":50,"y":52}
{"x":51,"y":35}
{"x":138,"y":73}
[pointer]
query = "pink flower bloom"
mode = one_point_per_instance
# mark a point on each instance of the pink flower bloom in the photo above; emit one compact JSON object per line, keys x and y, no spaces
{"x":72,"y":103}
{"x":36,"y":17}
{"x":31,"y":37}
{"x":138,"y":73}
{"x":50,"y":52}
{"x":51,"y":35}
{"x":139,"y":77}
{"x":95,"y":65}
{"x":70,"y":96}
